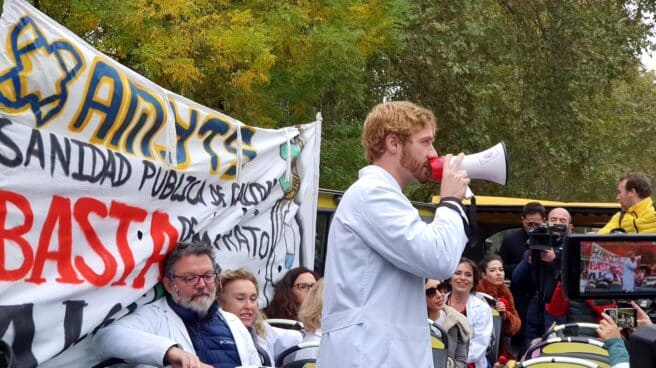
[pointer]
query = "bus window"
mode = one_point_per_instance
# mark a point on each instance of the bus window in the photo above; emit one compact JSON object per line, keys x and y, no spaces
{"x":495,"y":216}
{"x":493,"y":243}
{"x":321,"y":239}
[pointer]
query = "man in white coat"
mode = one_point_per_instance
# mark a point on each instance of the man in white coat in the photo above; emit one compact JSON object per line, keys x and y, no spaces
{"x":380,"y":251}
{"x":628,"y":276}
{"x":184,"y":329}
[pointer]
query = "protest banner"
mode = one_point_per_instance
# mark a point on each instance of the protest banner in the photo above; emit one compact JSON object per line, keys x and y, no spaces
{"x":605,"y":265}
{"x":102,"y":172}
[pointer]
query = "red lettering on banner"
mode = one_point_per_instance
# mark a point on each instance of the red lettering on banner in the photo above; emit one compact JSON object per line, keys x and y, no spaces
{"x":59,"y":215}
{"x":15,"y":235}
{"x":599,"y":266}
{"x":58,"y":226}
{"x":160,"y":228}
{"x":83,"y":208}
{"x":125,"y":215}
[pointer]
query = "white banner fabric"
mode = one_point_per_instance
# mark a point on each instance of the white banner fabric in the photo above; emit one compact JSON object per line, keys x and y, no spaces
{"x":102,"y":172}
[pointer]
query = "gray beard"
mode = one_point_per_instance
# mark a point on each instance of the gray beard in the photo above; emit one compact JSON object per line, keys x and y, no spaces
{"x":200,"y":308}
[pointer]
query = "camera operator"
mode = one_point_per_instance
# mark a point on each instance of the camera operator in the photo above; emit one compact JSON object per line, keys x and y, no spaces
{"x":513,"y":247}
{"x":513,"y":244}
{"x":539,"y":271}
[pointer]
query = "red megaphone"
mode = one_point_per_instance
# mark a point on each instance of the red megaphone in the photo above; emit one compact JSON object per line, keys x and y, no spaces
{"x":489,"y":165}
{"x":436,"y":166}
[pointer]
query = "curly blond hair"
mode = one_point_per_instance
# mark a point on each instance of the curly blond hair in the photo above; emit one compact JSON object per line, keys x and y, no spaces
{"x":402,"y":118}
{"x":310,"y":312}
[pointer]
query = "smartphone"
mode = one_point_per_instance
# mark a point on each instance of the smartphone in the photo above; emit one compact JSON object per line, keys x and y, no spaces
{"x":624,"y":317}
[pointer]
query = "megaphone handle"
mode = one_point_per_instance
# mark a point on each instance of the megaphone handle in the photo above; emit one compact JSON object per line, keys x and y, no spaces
{"x":468,"y":193}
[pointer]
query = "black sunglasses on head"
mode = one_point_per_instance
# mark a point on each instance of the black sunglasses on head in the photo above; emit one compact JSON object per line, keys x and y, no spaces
{"x":432,"y":290}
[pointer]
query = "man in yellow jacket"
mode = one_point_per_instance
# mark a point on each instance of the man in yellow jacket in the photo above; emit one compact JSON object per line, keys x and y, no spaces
{"x":637,"y":214}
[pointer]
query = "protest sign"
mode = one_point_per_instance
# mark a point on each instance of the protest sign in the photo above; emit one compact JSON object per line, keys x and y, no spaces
{"x":102,"y":172}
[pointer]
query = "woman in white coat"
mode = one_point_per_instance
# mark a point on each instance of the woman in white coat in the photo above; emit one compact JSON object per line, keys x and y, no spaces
{"x":463,"y":299}
{"x":238,"y":295}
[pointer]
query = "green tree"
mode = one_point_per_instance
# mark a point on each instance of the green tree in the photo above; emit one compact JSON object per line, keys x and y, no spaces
{"x":268,"y":63}
{"x":534,"y":74}
{"x":342,"y":155}
{"x":558,"y":80}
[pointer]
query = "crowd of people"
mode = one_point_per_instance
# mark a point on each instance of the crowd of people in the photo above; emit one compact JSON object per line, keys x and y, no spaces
{"x":536,"y":280}
{"x":369,"y":309}
{"x":211,"y":319}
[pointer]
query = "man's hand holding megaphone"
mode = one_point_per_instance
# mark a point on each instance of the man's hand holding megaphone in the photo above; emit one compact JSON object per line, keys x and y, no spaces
{"x":455,"y":173}
{"x":454,"y":185}
{"x":454,"y":181}
{"x":489,"y":165}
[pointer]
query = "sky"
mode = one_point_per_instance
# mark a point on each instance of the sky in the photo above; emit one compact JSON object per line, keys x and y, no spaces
{"x":649,"y":61}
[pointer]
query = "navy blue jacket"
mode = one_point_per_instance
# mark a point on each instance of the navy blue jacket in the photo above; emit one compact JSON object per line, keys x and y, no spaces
{"x":210,"y":335}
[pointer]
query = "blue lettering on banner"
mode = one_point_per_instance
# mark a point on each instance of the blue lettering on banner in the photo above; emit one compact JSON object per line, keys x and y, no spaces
{"x":102,"y":78}
{"x":27,"y":41}
{"x":126,"y":116}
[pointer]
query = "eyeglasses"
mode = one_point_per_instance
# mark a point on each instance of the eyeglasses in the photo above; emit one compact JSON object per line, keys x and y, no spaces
{"x":304,"y":286}
{"x":433,"y":290}
{"x":193,"y":280}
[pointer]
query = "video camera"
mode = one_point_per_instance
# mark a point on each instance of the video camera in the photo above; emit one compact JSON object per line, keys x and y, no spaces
{"x":543,"y":237}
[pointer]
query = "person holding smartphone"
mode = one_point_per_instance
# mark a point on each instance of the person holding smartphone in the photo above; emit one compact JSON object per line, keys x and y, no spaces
{"x":612,"y":336}
{"x":611,"y":333}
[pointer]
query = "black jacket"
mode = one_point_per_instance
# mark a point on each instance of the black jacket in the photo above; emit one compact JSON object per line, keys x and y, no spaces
{"x":512,"y":249}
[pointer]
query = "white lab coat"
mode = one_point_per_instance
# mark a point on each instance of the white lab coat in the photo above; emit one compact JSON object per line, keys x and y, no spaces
{"x":277,"y":340}
{"x":628,"y":278}
{"x":479,"y":315}
{"x":379,"y":252}
{"x":309,"y":353}
{"x":143,"y":337}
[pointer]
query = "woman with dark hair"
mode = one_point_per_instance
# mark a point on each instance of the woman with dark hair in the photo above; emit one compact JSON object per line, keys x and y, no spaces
{"x":464,"y":300}
{"x":456,"y":326}
{"x":491,"y":268}
{"x":290,"y":292}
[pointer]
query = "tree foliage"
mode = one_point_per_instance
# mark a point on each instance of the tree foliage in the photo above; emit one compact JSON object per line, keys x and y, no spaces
{"x":537,"y":74}
{"x":559,"y":81}
{"x":268,"y":63}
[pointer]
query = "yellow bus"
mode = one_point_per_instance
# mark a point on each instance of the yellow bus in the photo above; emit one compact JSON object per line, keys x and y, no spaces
{"x":495,"y":216}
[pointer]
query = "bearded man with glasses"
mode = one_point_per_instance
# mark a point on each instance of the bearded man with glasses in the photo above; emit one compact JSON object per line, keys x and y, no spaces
{"x":187,"y":328}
